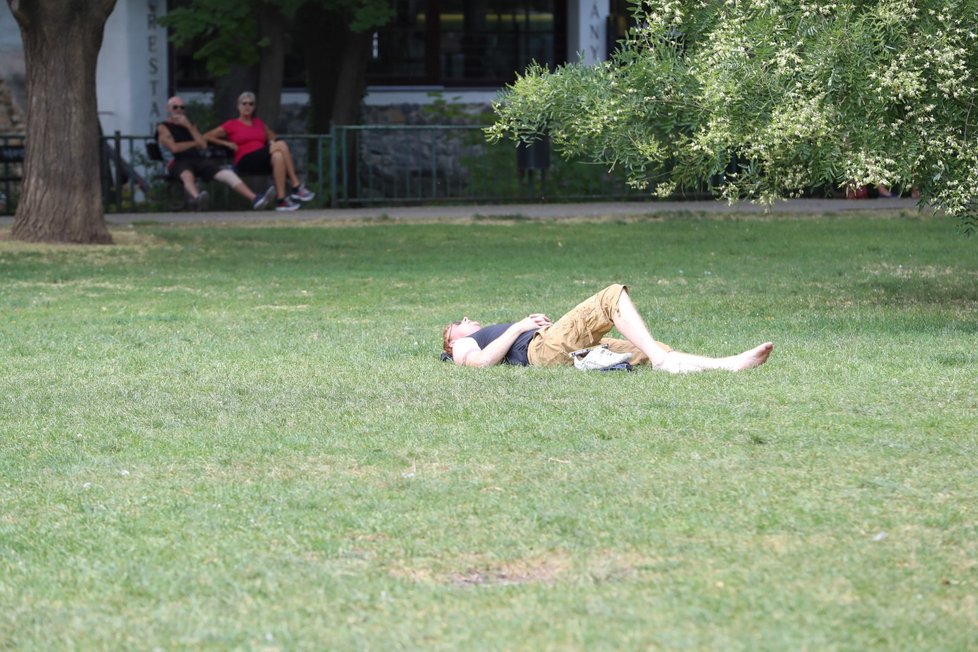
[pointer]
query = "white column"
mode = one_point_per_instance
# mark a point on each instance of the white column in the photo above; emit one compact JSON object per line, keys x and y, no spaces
{"x":132,"y":69}
{"x":587,"y":22}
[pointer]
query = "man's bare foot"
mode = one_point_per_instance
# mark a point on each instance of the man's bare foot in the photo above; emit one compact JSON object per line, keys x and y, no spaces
{"x":752,"y":358}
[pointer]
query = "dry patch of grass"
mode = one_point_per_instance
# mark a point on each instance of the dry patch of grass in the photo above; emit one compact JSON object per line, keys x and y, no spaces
{"x":543,"y":569}
{"x":546,"y":568}
{"x":917,"y":271}
{"x":123,"y":236}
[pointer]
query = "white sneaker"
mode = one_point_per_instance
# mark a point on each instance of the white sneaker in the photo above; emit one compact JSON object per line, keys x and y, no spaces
{"x":301,"y":193}
{"x":600,"y":358}
{"x":286,"y":204}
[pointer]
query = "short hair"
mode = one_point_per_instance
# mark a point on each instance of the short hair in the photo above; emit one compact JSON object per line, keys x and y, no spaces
{"x":446,"y":346}
{"x":247,"y":95}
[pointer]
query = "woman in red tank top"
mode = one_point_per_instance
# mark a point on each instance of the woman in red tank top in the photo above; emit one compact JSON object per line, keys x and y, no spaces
{"x":257,"y":152}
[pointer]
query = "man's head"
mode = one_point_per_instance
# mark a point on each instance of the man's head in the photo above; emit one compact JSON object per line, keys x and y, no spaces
{"x":175,"y":107}
{"x":457,"y":329}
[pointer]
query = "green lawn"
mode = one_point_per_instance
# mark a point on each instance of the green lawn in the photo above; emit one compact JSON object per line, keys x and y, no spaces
{"x":216,"y":438}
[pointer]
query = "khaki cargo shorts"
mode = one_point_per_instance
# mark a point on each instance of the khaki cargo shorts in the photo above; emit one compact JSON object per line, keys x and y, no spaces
{"x":586,"y":325}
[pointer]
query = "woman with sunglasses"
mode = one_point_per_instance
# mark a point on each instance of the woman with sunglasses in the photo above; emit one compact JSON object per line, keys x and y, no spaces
{"x":256,"y":152}
{"x":537,"y":341}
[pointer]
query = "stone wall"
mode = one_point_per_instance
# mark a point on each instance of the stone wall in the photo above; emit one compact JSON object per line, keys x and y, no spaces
{"x":410,"y":162}
{"x":416,"y":162}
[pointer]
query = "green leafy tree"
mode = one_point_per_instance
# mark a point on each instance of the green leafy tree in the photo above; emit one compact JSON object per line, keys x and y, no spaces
{"x":244,"y":34}
{"x":801,"y":94}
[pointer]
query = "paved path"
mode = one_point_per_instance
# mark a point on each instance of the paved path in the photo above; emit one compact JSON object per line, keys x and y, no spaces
{"x":596,"y":209}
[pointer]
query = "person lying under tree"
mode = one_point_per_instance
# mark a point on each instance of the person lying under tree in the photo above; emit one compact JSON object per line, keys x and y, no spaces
{"x":538,"y":341}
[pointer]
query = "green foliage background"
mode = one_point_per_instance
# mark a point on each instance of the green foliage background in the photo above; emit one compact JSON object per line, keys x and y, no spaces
{"x":800,"y":94}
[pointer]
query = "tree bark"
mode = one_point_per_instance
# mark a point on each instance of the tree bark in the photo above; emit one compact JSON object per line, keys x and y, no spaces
{"x":351,"y":83}
{"x":61,"y":198}
{"x":336,"y":74}
{"x":336,"y":65}
{"x":321,"y":48}
{"x":271,"y":67}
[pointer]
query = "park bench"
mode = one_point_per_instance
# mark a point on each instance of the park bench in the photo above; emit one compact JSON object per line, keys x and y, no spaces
{"x":176,"y":198}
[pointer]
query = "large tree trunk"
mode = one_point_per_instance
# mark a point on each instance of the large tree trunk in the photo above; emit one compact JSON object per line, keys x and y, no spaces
{"x":352,"y":81}
{"x":321,"y":50}
{"x":61,"y":199}
{"x":271,"y":67}
{"x":336,"y":64}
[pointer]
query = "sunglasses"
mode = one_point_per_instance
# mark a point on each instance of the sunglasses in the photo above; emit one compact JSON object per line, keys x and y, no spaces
{"x":178,"y":107}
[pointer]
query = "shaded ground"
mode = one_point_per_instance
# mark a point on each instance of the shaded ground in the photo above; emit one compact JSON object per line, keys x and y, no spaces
{"x":468,"y":211}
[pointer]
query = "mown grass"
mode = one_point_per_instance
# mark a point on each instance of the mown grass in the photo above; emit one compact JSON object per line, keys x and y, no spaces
{"x":220,"y":438}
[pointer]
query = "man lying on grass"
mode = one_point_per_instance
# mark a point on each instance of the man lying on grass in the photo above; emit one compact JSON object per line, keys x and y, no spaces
{"x":537,"y":341}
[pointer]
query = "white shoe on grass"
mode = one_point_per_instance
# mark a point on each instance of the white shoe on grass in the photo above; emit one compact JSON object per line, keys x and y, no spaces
{"x":600,"y":358}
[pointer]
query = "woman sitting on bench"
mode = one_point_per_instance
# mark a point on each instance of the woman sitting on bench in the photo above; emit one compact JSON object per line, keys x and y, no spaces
{"x":257,"y":152}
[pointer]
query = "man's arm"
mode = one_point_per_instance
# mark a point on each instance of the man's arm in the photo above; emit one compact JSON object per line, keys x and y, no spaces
{"x":466,"y":351}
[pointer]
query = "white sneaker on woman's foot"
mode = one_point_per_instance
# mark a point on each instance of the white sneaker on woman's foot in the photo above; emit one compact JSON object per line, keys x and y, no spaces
{"x":301,"y":193}
{"x":286,"y":204}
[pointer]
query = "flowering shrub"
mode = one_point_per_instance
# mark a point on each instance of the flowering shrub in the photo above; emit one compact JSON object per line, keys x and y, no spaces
{"x":799,"y":94}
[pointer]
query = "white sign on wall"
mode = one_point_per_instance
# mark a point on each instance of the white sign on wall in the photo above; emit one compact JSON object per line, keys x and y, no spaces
{"x":586,"y":37}
{"x":156,"y":49}
{"x":132,"y":69}
{"x":595,"y":33}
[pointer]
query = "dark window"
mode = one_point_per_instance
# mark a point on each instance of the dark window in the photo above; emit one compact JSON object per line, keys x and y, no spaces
{"x":434,"y":42}
{"x":620,"y":20}
{"x":467,"y":42}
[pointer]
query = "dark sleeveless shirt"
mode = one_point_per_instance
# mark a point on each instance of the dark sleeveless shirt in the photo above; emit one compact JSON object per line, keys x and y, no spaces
{"x":182,"y":135}
{"x":516,"y":354}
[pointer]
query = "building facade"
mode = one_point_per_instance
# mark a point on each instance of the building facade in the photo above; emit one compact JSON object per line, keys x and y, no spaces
{"x":466,"y":49}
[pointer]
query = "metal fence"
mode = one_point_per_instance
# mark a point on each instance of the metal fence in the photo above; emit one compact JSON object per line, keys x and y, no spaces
{"x":11,"y":170}
{"x":362,"y":165}
{"x":381,"y":164}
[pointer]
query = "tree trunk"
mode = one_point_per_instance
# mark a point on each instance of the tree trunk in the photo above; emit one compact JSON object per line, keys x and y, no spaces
{"x":336,"y":76}
{"x":351,"y":83}
{"x":271,"y":67}
{"x":61,"y":198}
{"x":336,"y":65}
{"x":321,"y":48}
